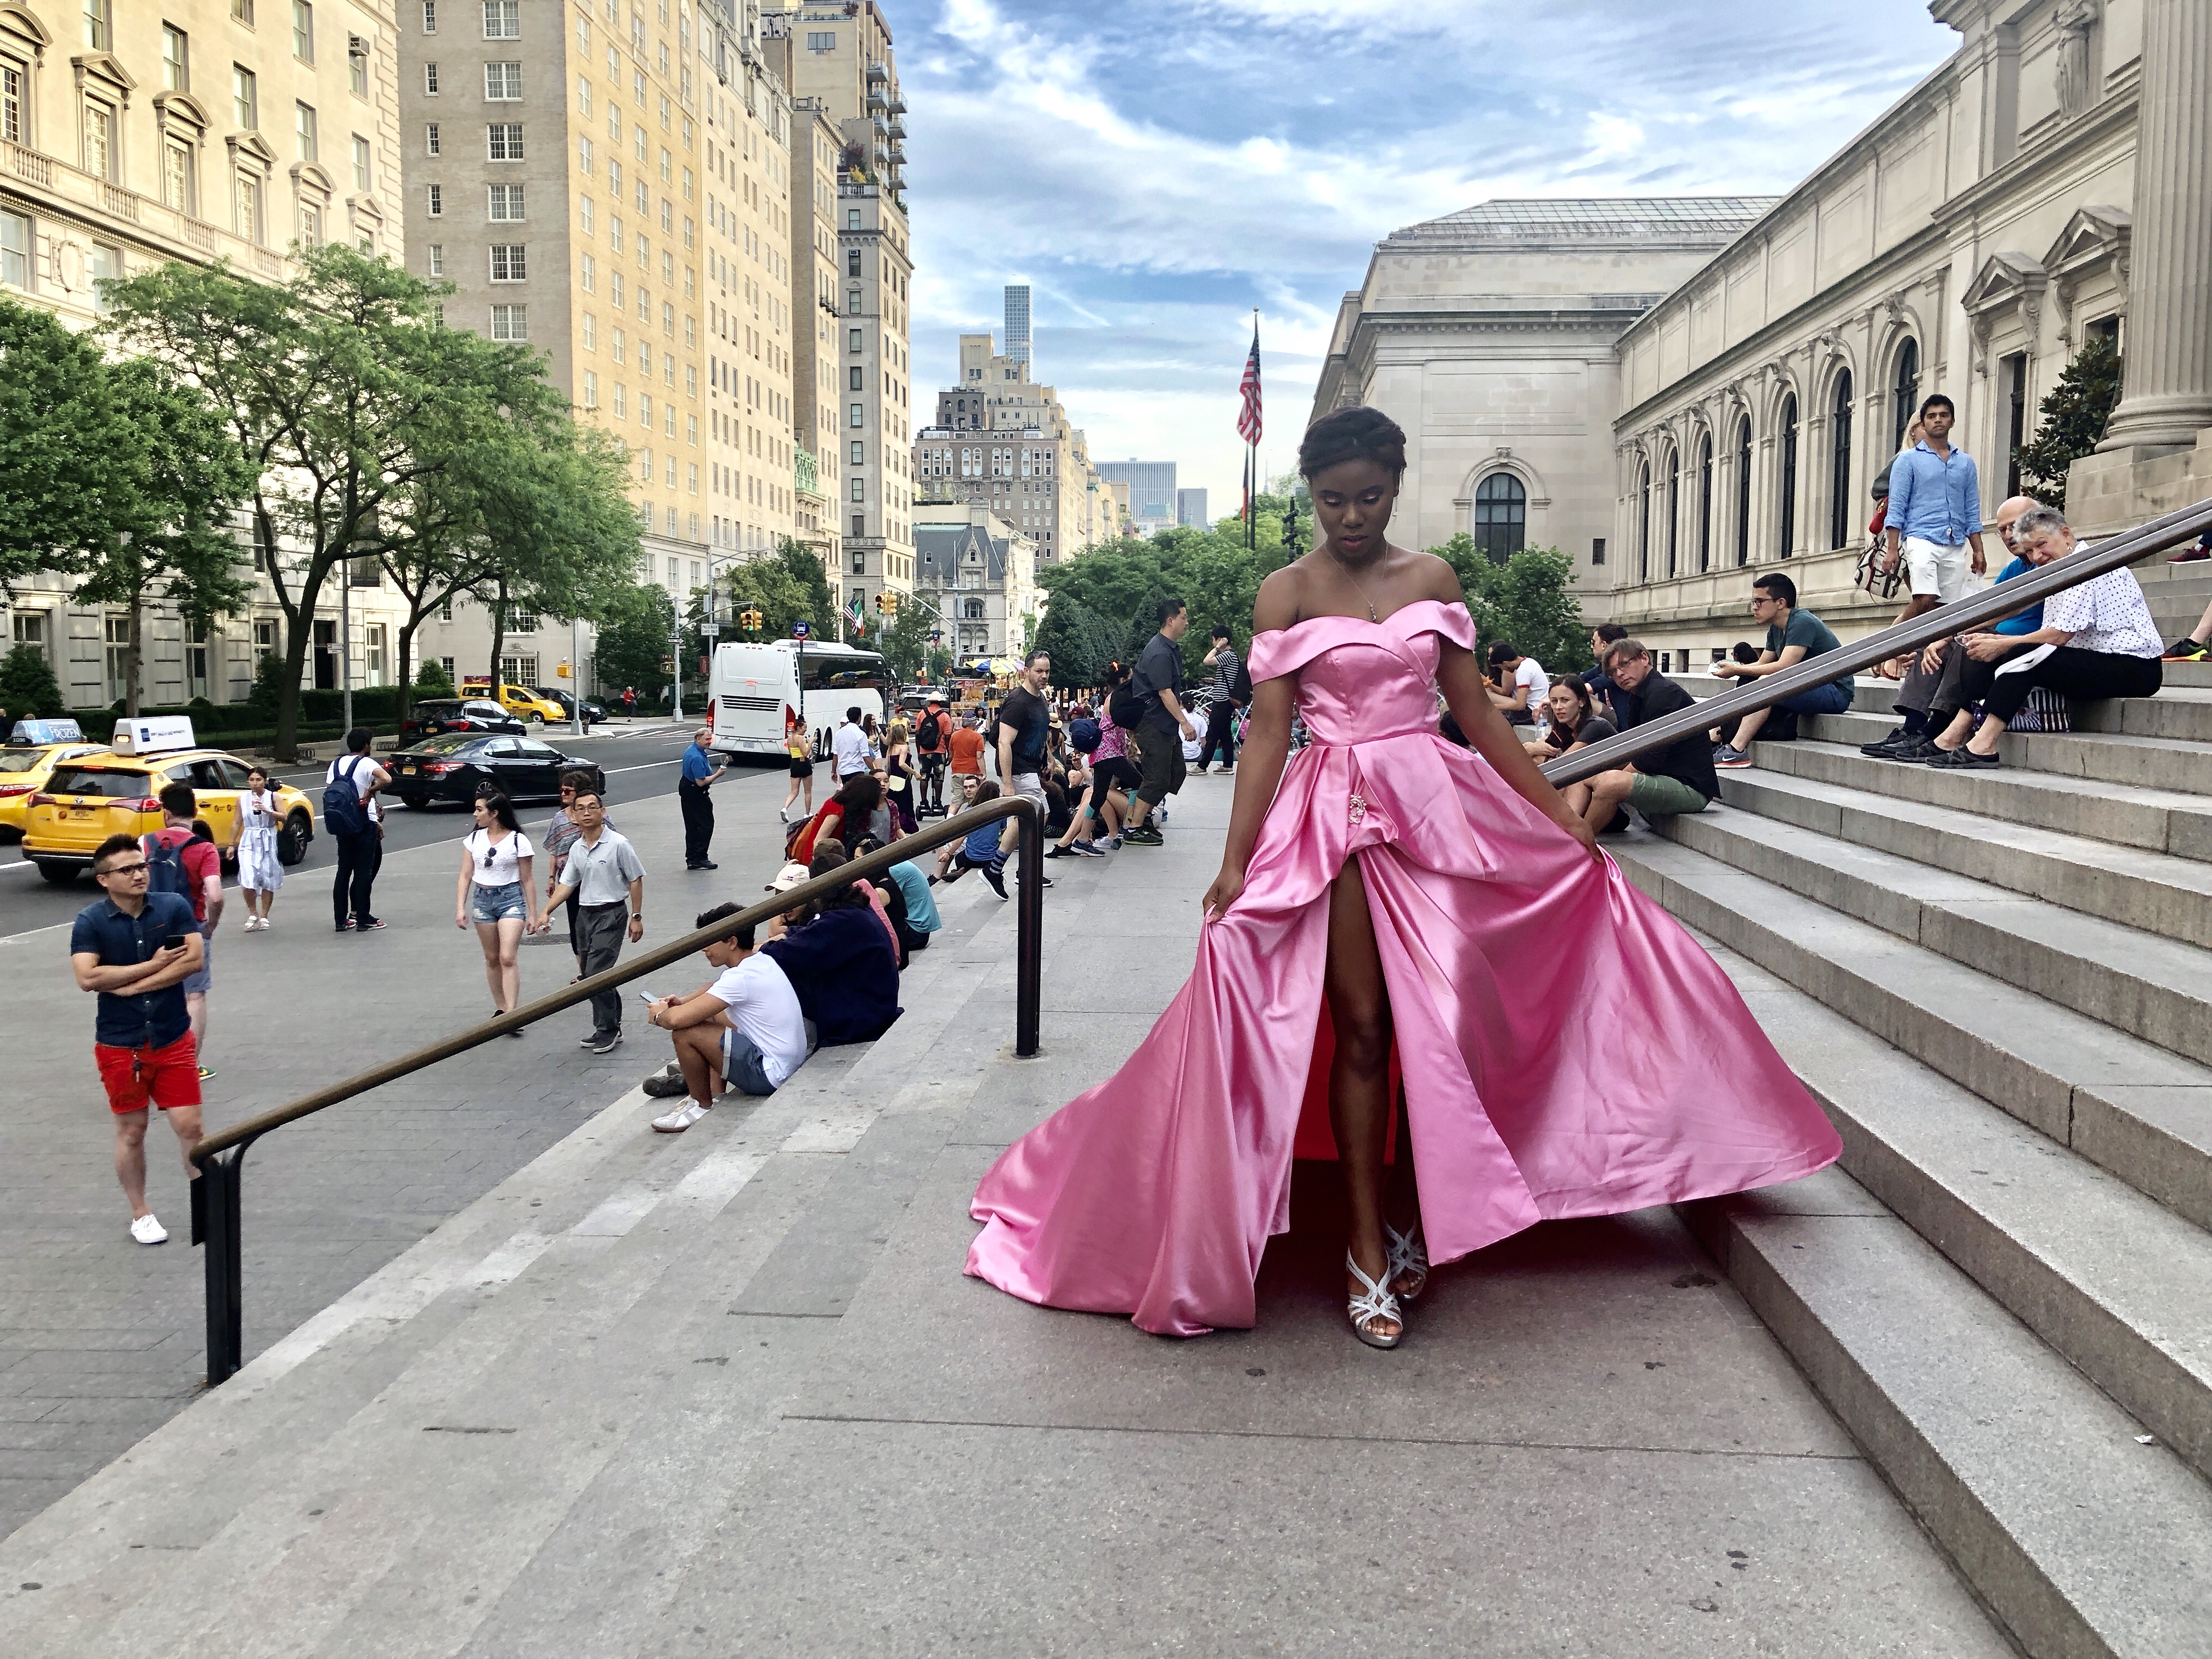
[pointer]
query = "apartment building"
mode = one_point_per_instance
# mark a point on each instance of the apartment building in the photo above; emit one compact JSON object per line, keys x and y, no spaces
{"x":816,"y":399}
{"x":837,"y":62}
{"x":977,"y":576}
{"x":132,"y":134}
{"x":1002,"y":439}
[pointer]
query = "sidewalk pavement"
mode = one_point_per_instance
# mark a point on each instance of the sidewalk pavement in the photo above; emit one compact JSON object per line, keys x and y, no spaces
{"x":101,"y":1340}
{"x":729,"y":1392}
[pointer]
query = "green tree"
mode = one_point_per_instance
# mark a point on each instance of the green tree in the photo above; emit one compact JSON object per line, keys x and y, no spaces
{"x":905,"y":643}
{"x":805,"y":566}
{"x":634,"y":643}
{"x":432,"y":680}
{"x":2071,"y":421}
{"x":69,"y":478}
{"x":1525,"y":600}
{"x":29,"y":690}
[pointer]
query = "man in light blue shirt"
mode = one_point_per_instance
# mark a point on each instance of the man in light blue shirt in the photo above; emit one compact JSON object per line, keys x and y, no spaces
{"x":700,"y":771}
{"x":1934,"y":512}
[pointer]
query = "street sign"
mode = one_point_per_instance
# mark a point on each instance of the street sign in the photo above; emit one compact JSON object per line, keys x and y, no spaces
{"x":800,"y":630}
{"x":710,"y":629}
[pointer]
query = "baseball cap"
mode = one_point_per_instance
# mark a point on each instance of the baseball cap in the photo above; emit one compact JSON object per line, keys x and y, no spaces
{"x":787,"y":878}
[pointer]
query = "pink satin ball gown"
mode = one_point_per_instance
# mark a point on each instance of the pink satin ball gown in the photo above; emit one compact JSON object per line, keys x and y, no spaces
{"x":1567,"y":1048}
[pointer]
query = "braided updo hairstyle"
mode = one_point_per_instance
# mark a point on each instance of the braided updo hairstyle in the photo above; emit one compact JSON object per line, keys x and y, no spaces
{"x":1358,"y":434}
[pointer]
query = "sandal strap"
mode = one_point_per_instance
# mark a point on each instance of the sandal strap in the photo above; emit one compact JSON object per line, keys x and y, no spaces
{"x":1377,"y":1301}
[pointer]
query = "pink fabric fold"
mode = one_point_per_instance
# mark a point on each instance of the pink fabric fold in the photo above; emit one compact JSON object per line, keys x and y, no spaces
{"x":1568,"y":1050}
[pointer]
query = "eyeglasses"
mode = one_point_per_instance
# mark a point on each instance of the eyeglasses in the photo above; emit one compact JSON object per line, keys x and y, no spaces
{"x":137,"y":869}
{"x":1757,"y":599}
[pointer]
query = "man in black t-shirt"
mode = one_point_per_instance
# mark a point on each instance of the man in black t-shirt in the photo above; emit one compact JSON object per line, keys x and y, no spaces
{"x":1164,"y":727}
{"x":1023,"y":727}
{"x":1679,"y":778}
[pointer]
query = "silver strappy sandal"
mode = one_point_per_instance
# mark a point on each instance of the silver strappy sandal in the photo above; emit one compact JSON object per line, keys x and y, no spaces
{"x":1409,"y":1258}
{"x":1374,"y":1304}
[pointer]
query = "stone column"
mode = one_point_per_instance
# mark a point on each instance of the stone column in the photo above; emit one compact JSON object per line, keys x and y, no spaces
{"x":2168,"y":397}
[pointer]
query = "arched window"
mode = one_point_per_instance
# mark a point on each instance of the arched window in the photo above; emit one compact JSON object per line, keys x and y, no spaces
{"x":1501,"y":516}
{"x":1839,"y":482}
{"x":1904,"y":392}
{"x":1788,"y":525}
{"x":1643,"y":522}
{"x":1674,"y":508}
{"x":1706,"y":502}
{"x":1743,"y":491}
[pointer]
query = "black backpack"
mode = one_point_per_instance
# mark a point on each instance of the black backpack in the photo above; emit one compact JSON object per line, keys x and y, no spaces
{"x":341,"y":807}
{"x":165,"y":866}
{"x":931,"y":736}
{"x":1125,"y":707}
{"x":1240,"y":682}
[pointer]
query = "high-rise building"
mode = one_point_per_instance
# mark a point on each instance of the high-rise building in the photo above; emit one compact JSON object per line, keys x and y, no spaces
{"x":819,"y":404}
{"x":1190,"y":509}
{"x":1004,"y":441}
{"x":837,"y":59}
{"x":1153,"y":503}
{"x":131,"y":134}
{"x":1017,"y":322}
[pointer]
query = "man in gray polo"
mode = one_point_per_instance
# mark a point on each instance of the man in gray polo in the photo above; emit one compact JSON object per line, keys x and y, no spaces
{"x":604,"y":872}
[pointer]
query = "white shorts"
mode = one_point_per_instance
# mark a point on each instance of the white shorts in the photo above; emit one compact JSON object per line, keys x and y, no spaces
{"x":1933,"y":568}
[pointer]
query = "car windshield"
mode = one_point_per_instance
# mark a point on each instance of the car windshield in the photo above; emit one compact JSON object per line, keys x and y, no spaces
{"x":432,"y":711}
{"x":450,"y":743}
{"x":20,"y":760}
{"x":110,"y":781}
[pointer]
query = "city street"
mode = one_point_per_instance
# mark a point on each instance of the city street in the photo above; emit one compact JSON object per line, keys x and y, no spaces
{"x":100,"y":1338}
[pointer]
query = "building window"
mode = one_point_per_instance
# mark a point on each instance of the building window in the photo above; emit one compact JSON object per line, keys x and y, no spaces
{"x":436,"y":199}
{"x":242,"y":10}
{"x":95,"y":24}
{"x":430,"y":17}
{"x":851,"y":218}
{"x":506,"y":201}
{"x":591,"y":275}
{"x":852,"y":262}
{"x":853,"y":302}
{"x":503,"y":20}
{"x":859,"y":489}
{"x":311,"y":223}
{"x":1643,"y":522}
{"x":437,"y":258}
{"x":2015,"y":369}
{"x":30,"y":628}
{"x":502,"y":82}
{"x":15,"y":250}
{"x":519,"y":670}
{"x":178,"y":177}
{"x":503,"y":141}
{"x":12,"y":125}
{"x":361,"y":165}
{"x":1501,"y":516}
{"x":507,"y":263}
{"x":1788,"y":523}
{"x":1839,"y":478}
{"x":245,"y":206}
{"x":859,"y":418}
{"x":854,"y":337}
{"x":357,"y":65}
{"x":303,"y":31}
{"x":176,"y":59}
{"x":431,"y":146}
{"x":1743,"y":491}
{"x":859,"y":453}
{"x":856,"y":379}
{"x":1904,"y":392}
{"x":522,"y":622}
{"x":822,"y":40}
{"x":1674,"y":509}
{"x":591,"y":389}
{"x":304,"y":132}
{"x":374,"y":670}
{"x":245,"y":99}
{"x":99,"y":158}
{"x":115,"y":636}
{"x":430,"y":78}
{"x":1705,"y":501}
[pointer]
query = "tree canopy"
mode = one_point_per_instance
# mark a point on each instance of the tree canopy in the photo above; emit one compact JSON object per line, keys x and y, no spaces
{"x":2071,"y":421}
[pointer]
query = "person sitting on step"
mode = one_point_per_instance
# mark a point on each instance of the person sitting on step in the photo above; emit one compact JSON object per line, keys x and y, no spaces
{"x":1792,"y":636}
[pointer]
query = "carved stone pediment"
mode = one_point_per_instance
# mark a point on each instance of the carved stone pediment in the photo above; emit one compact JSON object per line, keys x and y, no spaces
{"x":251,"y":147}
{"x":2004,"y":280}
{"x":183,"y":111}
{"x":306,"y":176}
{"x":2092,"y":236}
{"x":22,"y":22}
{"x":105,"y":66}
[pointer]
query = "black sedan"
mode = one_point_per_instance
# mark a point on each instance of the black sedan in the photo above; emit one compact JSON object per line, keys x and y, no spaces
{"x":593,"y":712}
{"x":440,"y":715}
{"x":452,"y":767}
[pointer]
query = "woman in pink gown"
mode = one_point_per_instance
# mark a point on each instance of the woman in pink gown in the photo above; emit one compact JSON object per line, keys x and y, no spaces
{"x":1566,"y":1048}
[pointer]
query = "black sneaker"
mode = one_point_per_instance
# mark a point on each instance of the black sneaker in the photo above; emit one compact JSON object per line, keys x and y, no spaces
{"x":605,"y":1045}
{"x":1056,"y":851}
{"x":1959,"y":758}
{"x":1918,"y":749}
{"x":2186,"y":649}
{"x":1143,"y":835}
{"x":1902,"y":737}
{"x":708,"y":865}
{"x":995,"y":877}
{"x":665,"y":1085}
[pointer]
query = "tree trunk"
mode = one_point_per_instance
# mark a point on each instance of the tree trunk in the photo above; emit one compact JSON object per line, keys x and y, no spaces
{"x":498,"y":635}
{"x":407,"y":662}
{"x":133,"y":654}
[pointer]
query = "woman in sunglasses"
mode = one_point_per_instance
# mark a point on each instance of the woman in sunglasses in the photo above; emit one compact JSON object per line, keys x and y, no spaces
{"x":495,"y":894}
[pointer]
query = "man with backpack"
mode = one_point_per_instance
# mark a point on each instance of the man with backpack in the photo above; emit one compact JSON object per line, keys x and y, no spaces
{"x":1150,"y":708}
{"x":350,"y":816}
{"x":181,"y":860}
{"x":933,"y":741}
{"x":1231,"y":690}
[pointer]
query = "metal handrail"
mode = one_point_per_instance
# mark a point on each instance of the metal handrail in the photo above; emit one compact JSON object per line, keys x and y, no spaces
{"x":219,"y":1158}
{"x":2184,"y":524}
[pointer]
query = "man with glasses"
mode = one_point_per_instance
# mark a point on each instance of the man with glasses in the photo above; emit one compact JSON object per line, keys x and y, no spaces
{"x":137,"y":949}
{"x":601,"y":871}
{"x":1792,"y":636}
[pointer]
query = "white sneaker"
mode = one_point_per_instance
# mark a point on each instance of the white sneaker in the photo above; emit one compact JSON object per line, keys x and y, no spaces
{"x":147,"y":1231}
{"x":676,"y":1123}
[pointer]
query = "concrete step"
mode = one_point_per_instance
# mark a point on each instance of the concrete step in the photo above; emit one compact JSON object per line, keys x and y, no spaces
{"x":2143,"y":983}
{"x":2155,"y":820}
{"x":2155,"y":891}
{"x":2032,"y":1480}
{"x":2141,"y":1112}
{"x":2148,"y":763}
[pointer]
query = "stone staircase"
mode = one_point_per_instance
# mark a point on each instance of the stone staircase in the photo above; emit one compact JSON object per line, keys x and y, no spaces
{"x":1997,"y":982}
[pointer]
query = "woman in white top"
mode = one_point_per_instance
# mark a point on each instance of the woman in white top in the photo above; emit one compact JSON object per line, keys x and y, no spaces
{"x":495,"y":894}
{"x":260,"y":871}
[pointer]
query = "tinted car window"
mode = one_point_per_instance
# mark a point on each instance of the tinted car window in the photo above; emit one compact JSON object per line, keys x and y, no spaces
{"x":450,"y":743}
{"x":98,"y":780}
{"x":20,"y":760}
{"x":536,"y":750}
{"x":491,"y":711}
{"x":502,"y":748}
{"x":234,"y":772}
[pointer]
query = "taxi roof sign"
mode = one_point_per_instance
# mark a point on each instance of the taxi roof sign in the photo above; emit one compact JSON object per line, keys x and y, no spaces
{"x":34,"y":731}
{"x":151,"y":734}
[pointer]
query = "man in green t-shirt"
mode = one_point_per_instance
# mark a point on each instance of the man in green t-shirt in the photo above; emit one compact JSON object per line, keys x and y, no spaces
{"x":1792,"y":636}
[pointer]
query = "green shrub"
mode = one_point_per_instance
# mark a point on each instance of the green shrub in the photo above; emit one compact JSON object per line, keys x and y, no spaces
{"x":27,"y":687}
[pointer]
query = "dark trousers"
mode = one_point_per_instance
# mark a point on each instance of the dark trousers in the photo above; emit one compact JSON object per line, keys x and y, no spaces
{"x":698,"y":821}
{"x":2067,"y":671}
{"x":1220,"y":734}
{"x":575,"y":930}
{"x":600,"y":929}
{"x":358,"y":859}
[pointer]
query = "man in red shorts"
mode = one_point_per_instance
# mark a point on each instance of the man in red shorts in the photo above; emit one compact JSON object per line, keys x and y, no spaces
{"x":136,"y":950}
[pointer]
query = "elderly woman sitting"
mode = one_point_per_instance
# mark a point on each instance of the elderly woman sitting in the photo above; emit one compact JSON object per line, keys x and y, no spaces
{"x":2101,"y":641}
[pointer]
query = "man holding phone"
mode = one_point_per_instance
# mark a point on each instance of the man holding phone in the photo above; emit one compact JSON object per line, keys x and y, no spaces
{"x":137,"y":949}
{"x":744,"y":1031}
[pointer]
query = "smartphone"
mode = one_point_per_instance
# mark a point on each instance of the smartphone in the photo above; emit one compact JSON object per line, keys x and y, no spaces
{"x":174,"y":942}
{"x":648,"y":996}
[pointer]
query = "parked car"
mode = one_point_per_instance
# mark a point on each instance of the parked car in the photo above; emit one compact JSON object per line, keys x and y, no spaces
{"x":593,"y":711}
{"x":24,"y":770}
{"x":524,"y":705}
{"x":449,"y":768}
{"x":87,"y":800}
{"x":441,"y":715}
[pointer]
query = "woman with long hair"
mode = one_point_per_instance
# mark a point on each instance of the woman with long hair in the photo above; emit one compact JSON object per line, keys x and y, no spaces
{"x":899,"y":775}
{"x":260,"y":871}
{"x":798,"y":751}
{"x":856,"y":810}
{"x":1391,"y":908}
{"x":495,"y":894}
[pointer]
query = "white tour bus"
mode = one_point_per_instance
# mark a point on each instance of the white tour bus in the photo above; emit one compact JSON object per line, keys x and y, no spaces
{"x":756,"y":691}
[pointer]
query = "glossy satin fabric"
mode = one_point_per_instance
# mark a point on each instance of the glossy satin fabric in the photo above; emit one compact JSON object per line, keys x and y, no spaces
{"x":1568,"y":1050}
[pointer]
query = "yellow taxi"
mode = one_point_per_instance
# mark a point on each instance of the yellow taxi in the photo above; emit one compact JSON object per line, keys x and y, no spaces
{"x":86,"y":800}
{"x":28,"y":758}
{"x":518,"y":700}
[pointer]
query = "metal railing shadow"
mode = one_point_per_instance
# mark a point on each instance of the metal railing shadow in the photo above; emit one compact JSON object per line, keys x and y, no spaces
{"x":217,"y":1221}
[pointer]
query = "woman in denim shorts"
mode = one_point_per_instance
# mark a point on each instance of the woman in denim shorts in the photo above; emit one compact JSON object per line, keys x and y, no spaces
{"x":495,"y":895}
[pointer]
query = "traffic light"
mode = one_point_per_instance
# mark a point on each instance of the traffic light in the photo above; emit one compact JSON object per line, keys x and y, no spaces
{"x":887,"y":603}
{"x":750,"y":618}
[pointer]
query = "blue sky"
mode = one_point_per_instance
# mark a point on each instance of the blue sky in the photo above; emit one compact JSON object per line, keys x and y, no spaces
{"x":1156,"y":170}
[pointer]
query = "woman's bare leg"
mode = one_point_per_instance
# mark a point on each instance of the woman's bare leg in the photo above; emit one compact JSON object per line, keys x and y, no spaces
{"x":1359,"y":1076}
{"x":487,"y":936}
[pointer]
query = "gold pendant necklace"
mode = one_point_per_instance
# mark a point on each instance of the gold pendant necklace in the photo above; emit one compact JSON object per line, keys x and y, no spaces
{"x":1355,"y":581}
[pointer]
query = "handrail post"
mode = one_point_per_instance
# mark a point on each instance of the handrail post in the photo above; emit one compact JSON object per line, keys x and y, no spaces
{"x":216,"y":1229}
{"x":1029,"y":930}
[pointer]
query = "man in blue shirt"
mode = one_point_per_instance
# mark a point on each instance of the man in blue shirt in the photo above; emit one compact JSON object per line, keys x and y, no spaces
{"x":1934,"y":512}
{"x":700,"y":770}
{"x":137,"y":949}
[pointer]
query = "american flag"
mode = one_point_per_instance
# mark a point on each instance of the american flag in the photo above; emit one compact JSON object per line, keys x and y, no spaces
{"x":1247,"y":418}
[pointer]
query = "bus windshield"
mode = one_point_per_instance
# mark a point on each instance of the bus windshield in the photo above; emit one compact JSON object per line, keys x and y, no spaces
{"x":847,"y":672}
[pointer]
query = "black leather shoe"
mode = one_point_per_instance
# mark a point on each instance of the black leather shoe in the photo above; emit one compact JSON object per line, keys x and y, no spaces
{"x":1901,"y":738}
{"x":708,"y":865}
